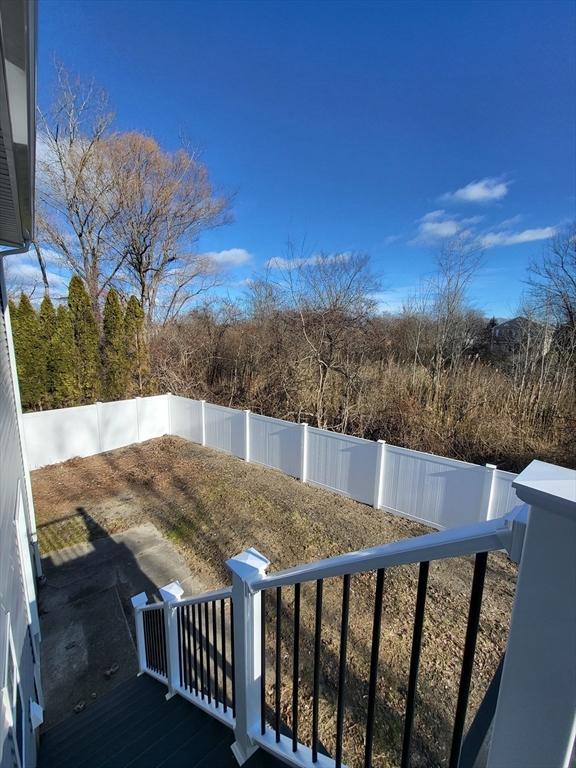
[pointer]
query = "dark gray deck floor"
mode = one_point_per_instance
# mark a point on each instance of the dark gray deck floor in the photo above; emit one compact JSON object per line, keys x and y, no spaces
{"x":135,"y":726}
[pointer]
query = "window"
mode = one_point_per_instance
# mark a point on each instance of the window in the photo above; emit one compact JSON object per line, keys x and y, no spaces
{"x":15,"y":701}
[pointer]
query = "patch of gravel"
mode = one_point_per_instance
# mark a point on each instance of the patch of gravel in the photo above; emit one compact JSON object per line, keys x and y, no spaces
{"x":214,"y":506}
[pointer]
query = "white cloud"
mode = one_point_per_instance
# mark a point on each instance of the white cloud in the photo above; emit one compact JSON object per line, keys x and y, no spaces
{"x":438,"y":225}
{"x":23,"y":275}
{"x":492,"y":239}
{"x":279,"y":262}
{"x":233,"y":257}
{"x":390,"y":239}
{"x":482,"y":191}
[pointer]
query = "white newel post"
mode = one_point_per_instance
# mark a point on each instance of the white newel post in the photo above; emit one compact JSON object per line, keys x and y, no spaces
{"x":171,"y":595}
{"x":247,"y":639}
{"x":379,"y":477}
{"x":535,"y":718}
{"x":490,"y":481}
{"x":247,"y":435}
{"x":203,"y":414}
{"x":138,"y":601}
{"x":304,"y":453}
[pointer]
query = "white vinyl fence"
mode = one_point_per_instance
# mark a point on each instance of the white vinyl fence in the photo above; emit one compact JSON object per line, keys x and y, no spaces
{"x":437,"y":491}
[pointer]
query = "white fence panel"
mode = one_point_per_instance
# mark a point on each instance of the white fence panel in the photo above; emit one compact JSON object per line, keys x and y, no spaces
{"x":55,"y":436}
{"x":276,"y":443}
{"x":118,"y":424}
{"x":438,"y":491}
{"x":504,"y":497}
{"x":153,"y":416}
{"x":186,"y":418}
{"x":342,"y":463}
{"x":225,"y":429}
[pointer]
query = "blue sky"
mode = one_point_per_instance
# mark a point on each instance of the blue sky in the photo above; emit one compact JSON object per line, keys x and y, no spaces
{"x":379,"y":127}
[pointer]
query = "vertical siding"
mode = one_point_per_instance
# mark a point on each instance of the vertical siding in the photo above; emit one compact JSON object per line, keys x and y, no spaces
{"x":13,"y":476}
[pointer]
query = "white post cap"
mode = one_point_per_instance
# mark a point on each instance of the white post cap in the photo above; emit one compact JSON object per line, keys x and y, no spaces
{"x":548,"y":486}
{"x":171,"y":592}
{"x":139,"y":600}
{"x":248,"y":564}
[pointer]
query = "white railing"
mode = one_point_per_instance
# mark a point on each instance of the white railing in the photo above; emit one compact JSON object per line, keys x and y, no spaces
{"x":413,"y":484}
{"x":535,"y":713}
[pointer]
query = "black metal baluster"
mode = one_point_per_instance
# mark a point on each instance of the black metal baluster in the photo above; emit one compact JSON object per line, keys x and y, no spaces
{"x":160,"y":621}
{"x":316,"y":689}
{"x":185,"y":643}
{"x":190,"y":645}
{"x":207,"y":632}
{"x":154,"y":623}
{"x":224,"y":669}
{"x":342,"y":668}
{"x":215,"y":641}
{"x":146,"y":637}
{"x":163,"y":641}
{"x":194,"y":649}
{"x":165,"y":619}
{"x":376,"y":628}
{"x":201,"y":646}
{"x":151,"y":639}
{"x":263,"y":663}
{"x":414,"y":662}
{"x":295,"y":667}
{"x":468,"y":657}
{"x":179,"y":635}
{"x":278,"y":661}
{"x":233,"y":658}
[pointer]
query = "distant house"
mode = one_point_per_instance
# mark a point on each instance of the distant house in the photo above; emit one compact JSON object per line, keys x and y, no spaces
{"x":509,"y":336}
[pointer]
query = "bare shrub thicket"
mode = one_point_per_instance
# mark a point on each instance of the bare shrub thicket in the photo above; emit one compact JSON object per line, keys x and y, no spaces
{"x":310,"y":347}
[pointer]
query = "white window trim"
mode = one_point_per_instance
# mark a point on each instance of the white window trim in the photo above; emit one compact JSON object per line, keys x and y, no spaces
{"x":10,"y":706}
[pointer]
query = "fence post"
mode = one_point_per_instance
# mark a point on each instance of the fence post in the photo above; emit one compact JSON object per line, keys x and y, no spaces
{"x":304,"y":453}
{"x":247,"y":645}
{"x":203,"y":412}
{"x":247,"y":435}
{"x":169,"y":408}
{"x":170,"y":595}
{"x":98,"y":405}
{"x":489,"y":493}
{"x":138,"y":399}
{"x":379,"y":478}
{"x":534,"y":718}
{"x":138,"y":601}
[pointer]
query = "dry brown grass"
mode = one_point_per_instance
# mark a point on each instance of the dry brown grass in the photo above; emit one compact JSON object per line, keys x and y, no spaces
{"x":213,"y":506}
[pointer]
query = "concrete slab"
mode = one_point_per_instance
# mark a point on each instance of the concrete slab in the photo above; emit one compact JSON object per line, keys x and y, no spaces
{"x":80,"y":641}
{"x":86,"y":616}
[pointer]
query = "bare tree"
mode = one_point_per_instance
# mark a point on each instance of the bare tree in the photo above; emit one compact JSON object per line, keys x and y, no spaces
{"x":165,"y":201}
{"x":333,"y":297}
{"x":118,"y":209}
{"x":552,"y":279}
{"x":457,"y":263}
{"x":76,"y":183}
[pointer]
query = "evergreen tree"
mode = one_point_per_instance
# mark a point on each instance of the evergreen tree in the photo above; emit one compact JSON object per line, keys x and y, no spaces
{"x":115,"y":358}
{"x":136,"y":348}
{"x":64,"y":362}
{"x":29,"y":353}
{"x":86,"y":341}
{"x":47,"y":326}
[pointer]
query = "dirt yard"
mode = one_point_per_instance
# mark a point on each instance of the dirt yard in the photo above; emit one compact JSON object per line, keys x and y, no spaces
{"x":213,"y":506}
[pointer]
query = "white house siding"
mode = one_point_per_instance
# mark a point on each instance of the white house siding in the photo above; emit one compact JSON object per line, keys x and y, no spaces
{"x":16,"y":611}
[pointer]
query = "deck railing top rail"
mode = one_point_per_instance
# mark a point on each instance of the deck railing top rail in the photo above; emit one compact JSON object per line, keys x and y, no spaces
{"x":504,"y":533}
